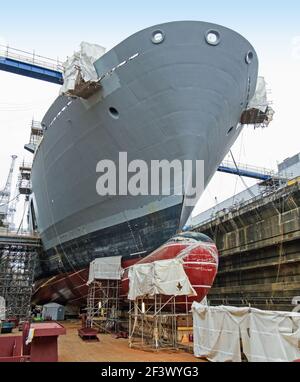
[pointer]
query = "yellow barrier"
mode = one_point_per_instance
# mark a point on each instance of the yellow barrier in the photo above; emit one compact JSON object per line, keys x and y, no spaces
{"x":293,"y":181}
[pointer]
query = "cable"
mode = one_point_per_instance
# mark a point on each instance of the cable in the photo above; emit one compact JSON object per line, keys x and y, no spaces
{"x":2,"y":196}
{"x":242,"y":180}
{"x":281,"y":243}
{"x":240,"y":154}
{"x":5,"y":204}
{"x":21,"y":223}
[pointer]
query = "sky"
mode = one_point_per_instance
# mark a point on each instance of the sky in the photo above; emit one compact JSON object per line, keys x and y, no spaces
{"x":55,"y":30}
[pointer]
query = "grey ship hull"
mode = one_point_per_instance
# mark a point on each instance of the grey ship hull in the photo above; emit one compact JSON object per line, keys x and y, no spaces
{"x":179,"y":99}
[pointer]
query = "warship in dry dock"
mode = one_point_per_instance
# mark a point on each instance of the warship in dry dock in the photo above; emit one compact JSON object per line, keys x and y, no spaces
{"x":178,"y":90}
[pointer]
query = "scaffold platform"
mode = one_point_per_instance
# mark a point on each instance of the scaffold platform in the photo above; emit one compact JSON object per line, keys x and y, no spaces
{"x":18,"y":258}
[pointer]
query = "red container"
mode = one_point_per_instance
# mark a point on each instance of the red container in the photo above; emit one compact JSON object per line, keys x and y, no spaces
{"x":11,"y":349}
{"x":44,"y":343}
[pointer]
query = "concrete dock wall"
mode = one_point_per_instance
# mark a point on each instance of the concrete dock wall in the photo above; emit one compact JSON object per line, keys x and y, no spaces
{"x":259,"y":245}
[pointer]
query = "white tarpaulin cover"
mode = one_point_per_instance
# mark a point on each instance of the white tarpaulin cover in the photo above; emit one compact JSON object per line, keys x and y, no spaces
{"x":260,"y":99}
{"x":2,"y":308}
{"x":166,"y":277}
{"x":266,"y":336}
{"x":272,"y":336}
{"x":105,"y":268}
{"x":81,"y":62}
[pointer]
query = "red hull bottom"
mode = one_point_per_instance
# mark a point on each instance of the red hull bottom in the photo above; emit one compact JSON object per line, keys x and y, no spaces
{"x":198,"y":254}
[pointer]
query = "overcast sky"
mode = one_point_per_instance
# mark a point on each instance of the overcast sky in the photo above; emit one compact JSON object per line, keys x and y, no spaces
{"x":55,"y":29}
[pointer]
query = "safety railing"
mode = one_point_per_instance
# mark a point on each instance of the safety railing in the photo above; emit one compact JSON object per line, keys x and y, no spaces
{"x":31,"y":58}
{"x":246,"y":167}
{"x":237,"y":206}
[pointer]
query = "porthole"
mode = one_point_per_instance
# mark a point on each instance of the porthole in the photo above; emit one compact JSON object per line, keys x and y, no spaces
{"x":158,"y":37}
{"x":230,"y":130}
{"x":249,"y":57}
{"x":212,"y":37}
{"x":114,"y":113}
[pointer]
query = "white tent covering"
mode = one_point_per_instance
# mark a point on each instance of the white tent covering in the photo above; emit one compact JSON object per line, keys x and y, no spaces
{"x":81,"y":62}
{"x":259,"y":100}
{"x":266,"y":336}
{"x":105,"y":268}
{"x":2,"y":308}
{"x":165,"y":277}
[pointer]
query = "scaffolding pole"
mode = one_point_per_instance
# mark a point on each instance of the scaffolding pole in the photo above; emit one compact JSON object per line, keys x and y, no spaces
{"x":17,"y":265}
{"x":103,"y":303}
{"x":154,"y":323}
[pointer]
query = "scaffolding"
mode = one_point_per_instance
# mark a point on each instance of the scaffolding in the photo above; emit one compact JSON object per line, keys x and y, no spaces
{"x":17,"y":265}
{"x":103,"y":306}
{"x":36,"y":136}
{"x":24,"y":180}
{"x":160,"y":322}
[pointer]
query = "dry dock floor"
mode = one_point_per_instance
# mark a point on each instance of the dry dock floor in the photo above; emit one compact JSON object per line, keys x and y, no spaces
{"x":71,"y":348}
